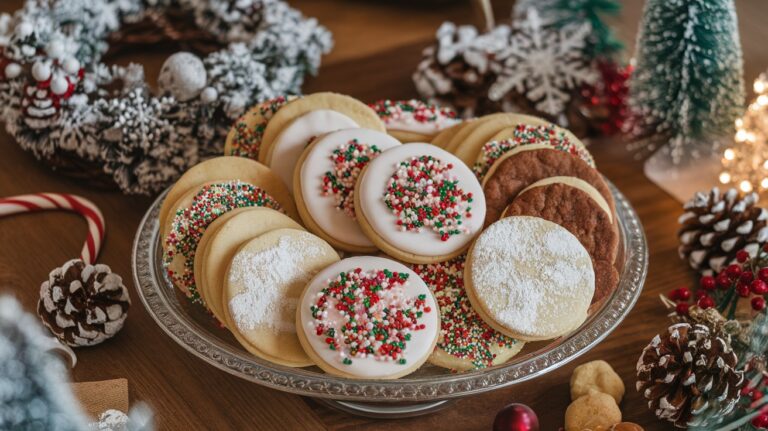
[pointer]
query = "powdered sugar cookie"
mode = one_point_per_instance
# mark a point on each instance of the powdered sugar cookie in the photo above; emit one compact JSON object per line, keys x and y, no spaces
{"x":413,"y":120}
{"x":263,"y":284}
{"x":529,"y":278}
{"x":224,"y":169}
{"x":575,"y":205}
{"x":194,"y":212}
{"x":224,"y":237}
{"x":466,"y":342}
{"x":469,"y":146}
{"x":324,"y":184}
{"x":419,"y":203}
{"x":368,"y":318}
{"x":525,"y":134}
{"x":294,"y":126}
{"x":244,"y":138}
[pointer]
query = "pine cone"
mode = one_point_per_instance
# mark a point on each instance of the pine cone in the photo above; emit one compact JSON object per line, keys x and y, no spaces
{"x":688,"y":376}
{"x":82,"y":304}
{"x":716,"y":226}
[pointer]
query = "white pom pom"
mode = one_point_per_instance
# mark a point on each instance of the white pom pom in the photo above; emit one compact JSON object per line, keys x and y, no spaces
{"x":59,"y":85}
{"x":12,"y":70}
{"x":55,"y":49}
{"x":71,"y":65}
{"x":209,"y":95}
{"x":41,"y":71}
{"x":183,"y":76}
{"x":24,"y":29}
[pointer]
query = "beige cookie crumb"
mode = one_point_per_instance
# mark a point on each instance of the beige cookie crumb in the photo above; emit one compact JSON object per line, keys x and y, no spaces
{"x":591,"y":412}
{"x":598,"y":376}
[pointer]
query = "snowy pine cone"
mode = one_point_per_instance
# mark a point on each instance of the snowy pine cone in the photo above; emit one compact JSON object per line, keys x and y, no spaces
{"x":689,"y":376}
{"x":716,"y":226}
{"x":82,"y":304}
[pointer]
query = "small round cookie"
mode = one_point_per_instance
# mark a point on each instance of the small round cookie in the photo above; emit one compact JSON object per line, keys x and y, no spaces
{"x":596,"y":376}
{"x":368,"y":318}
{"x":196,"y":210}
{"x":413,"y":120}
{"x":324,"y":184}
{"x":263,"y":283}
{"x":236,"y":228}
{"x":468,"y":149}
{"x":224,"y":169}
{"x":577,"y":206}
{"x":443,"y":138}
{"x":466,"y":342}
{"x":593,"y":411}
{"x":526,"y":164}
{"x":529,"y":278}
{"x":525,"y":134}
{"x":419,"y":204}
{"x":244,"y":138}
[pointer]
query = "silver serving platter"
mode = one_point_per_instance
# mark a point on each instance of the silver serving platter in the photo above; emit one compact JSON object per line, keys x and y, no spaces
{"x":428,"y":389}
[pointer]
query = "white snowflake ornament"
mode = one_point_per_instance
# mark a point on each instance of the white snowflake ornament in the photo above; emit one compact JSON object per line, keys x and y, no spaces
{"x":543,"y":64}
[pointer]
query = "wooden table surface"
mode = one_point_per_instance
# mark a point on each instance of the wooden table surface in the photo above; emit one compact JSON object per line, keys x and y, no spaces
{"x":377,"y":48}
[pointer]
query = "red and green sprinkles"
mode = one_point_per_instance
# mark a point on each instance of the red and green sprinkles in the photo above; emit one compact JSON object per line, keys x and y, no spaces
{"x":348,"y":161}
{"x":463,"y":333}
{"x":365,"y":314}
{"x":189,"y":224}
{"x":247,"y":139}
{"x":404,"y":112}
{"x":423,"y":193}
{"x":526,"y":135}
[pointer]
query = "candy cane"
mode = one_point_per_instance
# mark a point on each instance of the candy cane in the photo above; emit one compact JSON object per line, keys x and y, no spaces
{"x":61,"y":201}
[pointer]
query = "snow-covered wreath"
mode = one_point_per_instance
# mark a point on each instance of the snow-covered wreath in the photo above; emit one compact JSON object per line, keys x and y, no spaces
{"x":101,"y":122}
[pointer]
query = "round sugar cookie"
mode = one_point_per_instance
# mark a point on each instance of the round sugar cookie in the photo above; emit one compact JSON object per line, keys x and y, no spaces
{"x":244,"y":138}
{"x":526,"y":164}
{"x":575,"y":205}
{"x":419,"y":203}
{"x":529,"y":278}
{"x":195,"y":211}
{"x":324,"y":184}
{"x":394,"y":319}
{"x":232,"y":231}
{"x":525,"y":134}
{"x":466,"y":342}
{"x":442,"y":139}
{"x":414,"y":120}
{"x":262,"y":286}
{"x":469,"y":147}
{"x":222,"y":169}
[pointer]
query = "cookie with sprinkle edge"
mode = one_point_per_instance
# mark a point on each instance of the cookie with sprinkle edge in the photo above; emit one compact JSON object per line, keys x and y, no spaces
{"x":414,"y":120}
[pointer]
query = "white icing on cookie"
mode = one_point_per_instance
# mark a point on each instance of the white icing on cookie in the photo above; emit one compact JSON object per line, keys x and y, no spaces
{"x":532,"y":277}
{"x":286,"y":150}
{"x":334,"y":221}
{"x":415,"y":116}
{"x":417,"y":348}
{"x":426,"y":242}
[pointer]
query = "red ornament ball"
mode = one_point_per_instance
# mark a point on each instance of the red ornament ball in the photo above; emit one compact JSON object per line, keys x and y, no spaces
{"x":516,"y":417}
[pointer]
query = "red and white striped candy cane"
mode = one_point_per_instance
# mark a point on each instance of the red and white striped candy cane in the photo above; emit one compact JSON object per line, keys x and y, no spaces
{"x":61,"y":201}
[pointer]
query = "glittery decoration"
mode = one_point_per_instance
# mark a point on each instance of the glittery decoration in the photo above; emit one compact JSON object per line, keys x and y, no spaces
{"x":527,"y":135}
{"x":423,"y":193}
{"x":189,"y":224}
{"x":348,"y":161}
{"x":414,"y":111}
{"x":463,"y":333}
{"x":379,"y":316}
{"x":247,"y":140}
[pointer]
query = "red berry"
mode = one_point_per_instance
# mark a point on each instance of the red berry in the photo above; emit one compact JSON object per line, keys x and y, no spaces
{"x":759,"y":287}
{"x":707,"y":282}
{"x":746,"y":277}
{"x":760,"y":421}
{"x":682,"y":309}
{"x":706,"y":302}
{"x":700,"y":294}
{"x":674,"y":295}
{"x":723,"y":281}
{"x":763,"y":274}
{"x":758,"y":303}
{"x":683,"y":294}
{"x":756,"y":395}
{"x":742,"y":256}
{"x":743,"y":290}
{"x":733,"y":271}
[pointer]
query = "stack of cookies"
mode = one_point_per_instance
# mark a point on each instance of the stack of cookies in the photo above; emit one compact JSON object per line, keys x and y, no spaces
{"x":367,"y":240}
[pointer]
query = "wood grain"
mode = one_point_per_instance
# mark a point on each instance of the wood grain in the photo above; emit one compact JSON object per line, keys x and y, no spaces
{"x":378,"y":44}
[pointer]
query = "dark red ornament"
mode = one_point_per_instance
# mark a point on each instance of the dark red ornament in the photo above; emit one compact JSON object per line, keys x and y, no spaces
{"x":516,"y":417}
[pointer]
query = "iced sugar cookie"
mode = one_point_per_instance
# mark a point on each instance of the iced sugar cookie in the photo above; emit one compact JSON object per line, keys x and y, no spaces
{"x":263,"y":284}
{"x":368,"y":318}
{"x":575,"y":205}
{"x":526,"y":164}
{"x":469,"y":147}
{"x":529,"y":278}
{"x":194,"y":212}
{"x":465,"y":342}
{"x":324,"y":184}
{"x":223,"y":238}
{"x":224,"y":169}
{"x":244,"y":138}
{"x":413,"y":120}
{"x":419,"y":203}
{"x":525,"y":134}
